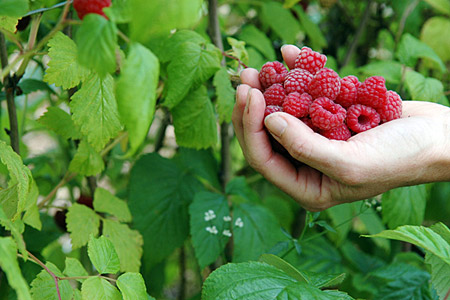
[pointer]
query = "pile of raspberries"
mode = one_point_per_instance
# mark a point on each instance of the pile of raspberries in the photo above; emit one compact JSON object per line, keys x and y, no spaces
{"x":334,"y":107}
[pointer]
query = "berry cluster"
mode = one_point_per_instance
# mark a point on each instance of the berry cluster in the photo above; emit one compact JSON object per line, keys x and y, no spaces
{"x":334,"y":107}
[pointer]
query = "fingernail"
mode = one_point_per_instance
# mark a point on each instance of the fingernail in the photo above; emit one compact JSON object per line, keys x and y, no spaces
{"x":275,"y":124}
{"x":249,"y":98}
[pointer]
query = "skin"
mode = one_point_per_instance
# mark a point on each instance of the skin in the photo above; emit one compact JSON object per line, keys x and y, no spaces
{"x":411,"y":150}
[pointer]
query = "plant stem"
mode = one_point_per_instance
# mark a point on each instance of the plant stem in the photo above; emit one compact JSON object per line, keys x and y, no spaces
{"x":87,"y":277}
{"x":447,"y":295}
{"x":67,"y":177}
{"x":41,"y":10}
{"x":182,"y":262}
{"x":55,"y":278}
{"x":161,"y":133}
{"x":405,"y":16}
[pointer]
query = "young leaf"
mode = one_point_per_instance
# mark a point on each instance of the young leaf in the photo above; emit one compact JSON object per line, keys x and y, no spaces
{"x":86,"y":161}
{"x":97,"y":42}
{"x":98,"y":288}
{"x":281,"y":21}
{"x":74,"y":268}
{"x":127,"y":242}
{"x":103,"y":255}
{"x":423,"y":88}
{"x":81,"y":223}
{"x":63,"y":67}
{"x":13,"y":8}
{"x":43,"y":286}
{"x":60,"y":122}
{"x":136,"y":93}
{"x":225,"y":95}
{"x":132,"y":286}
{"x":106,"y":202}
{"x":94,"y":110}
{"x":194,"y":121}
{"x":258,"y":39}
{"x":209,"y":230}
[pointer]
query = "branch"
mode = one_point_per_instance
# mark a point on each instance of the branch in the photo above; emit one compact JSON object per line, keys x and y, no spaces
{"x":55,"y":278}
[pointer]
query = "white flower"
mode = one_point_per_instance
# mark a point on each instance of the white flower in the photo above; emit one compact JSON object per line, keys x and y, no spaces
{"x":212,"y":229}
{"x":227,"y":218}
{"x":239,"y":223}
{"x":210,"y":215}
{"x":227,"y":233}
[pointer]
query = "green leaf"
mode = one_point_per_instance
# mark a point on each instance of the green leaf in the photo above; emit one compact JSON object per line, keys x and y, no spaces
{"x":13,"y":8}
{"x":389,"y":69}
{"x":86,"y":161}
{"x":8,"y":201}
{"x":238,"y":49}
{"x":32,"y":216}
{"x":106,"y":202}
{"x":43,"y":286}
{"x":410,"y":49}
{"x":374,"y":225}
{"x":290,"y":3}
{"x":442,"y":6}
{"x":120,"y":10}
{"x":60,"y":122}
{"x":209,"y":230}
{"x":74,"y":268}
{"x":432,"y":32}
{"x":96,"y":288}
{"x":255,"y":231}
{"x":225,"y":95}
{"x":439,"y":274}
{"x":171,"y":45}
{"x":136,"y":93}
{"x":238,"y":186}
{"x":158,"y":17}
{"x":103,"y":255}
{"x":442,"y":230}
{"x":190,"y":67}
{"x":127,"y":242}
{"x":81,"y":223}
{"x":30,"y":85}
{"x":284,"y":266}
{"x":321,"y":280}
{"x":159,"y":196}
{"x":362,"y":261}
{"x":8,"y":23}
{"x":281,"y":21}
{"x":258,"y":39}
{"x":194,"y":121}
{"x":132,"y":286}
{"x":423,"y":88}
{"x":94,"y":110}
{"x":312,"y":30}
{"x":97,"y":42}
{"x":341,"y":217}
{"x":10,"y":266}
{"x":63,"y":67}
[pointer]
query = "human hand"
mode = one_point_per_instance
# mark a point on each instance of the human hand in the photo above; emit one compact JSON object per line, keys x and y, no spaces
{"x":407,"y":151}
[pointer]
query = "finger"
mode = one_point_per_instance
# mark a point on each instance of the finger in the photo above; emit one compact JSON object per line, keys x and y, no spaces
{"x":250,"y":76}
{"x":290,"y":53}
{"x":242,"y":93}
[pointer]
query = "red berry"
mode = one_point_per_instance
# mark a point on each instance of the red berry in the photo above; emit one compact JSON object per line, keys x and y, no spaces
{"x":270,"y":109}
{"x":275,"y":95}
{"x":271,"y":73}
{"x":310,"y":60}
{"x":297,"y":80}
{"x":308,"y":122}
{"x":326,"y":83}
{"x":391,"y":109}
{"x":372,"y":92}
{"x":349,"y":91}
{"x":341,"y":133}
{"x":84,"y":7}
{"x":325,"y":114}
{"x":297,"y":104}
{"x":361,"y":118}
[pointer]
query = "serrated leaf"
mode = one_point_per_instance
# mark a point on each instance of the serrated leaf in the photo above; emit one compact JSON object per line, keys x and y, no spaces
{"x":225,"y":95}
{"x":281,"y":21}
{"x":10,"y":266}
{"x":172,"y":44}
{"x":127,"y":242}
{"x":423,"y":88}
{"x":238,"y":49}
{"x":74,"y":268}
{"x":8,"y":23}
{"x":432,"y":31}
{"x":159,"y":195}
{"x":404,"y":206}
{"x":132,"y":286}
{"x":16,"y":227}
{"x":44,"y":287}
{"x":13,"y":8}
{"x":63,"y":67}
{"x":8,"y":201}
{"x":86,"y":161}
{"x":82,"y":222}
{"x":312,"y":30}
{"x":190,"y":67}
{"x":209,"y":230}
{"x":439,"y":274}
{"x":258,"y":39}
{"x":442,"y":6}
{"x":194,"y":121}
{"x":103,"y":255}
{"x":442,"y":230}
{"x":60,"y":122}
{"x":106,"y":202}
{"x":94,"y":110}
{"x":136,"y":93}
{"x":96,"y":288}
{"x":97,"y":42}
{"x":389,"y":69}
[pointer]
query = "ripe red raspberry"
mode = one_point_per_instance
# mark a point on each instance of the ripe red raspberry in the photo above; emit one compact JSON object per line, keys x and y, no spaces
{"x":270,"y":109}
{"x":310,"y":60}
{"x":372,"y":92}
{"x":325,"y":114}
{"x":361,"y":118}
{"x":297,"y":104}
{"x":326,"y":83}
{"x":391,"y":109}
{"x":341,"y":133}
{"x":275,"y":95}
{"x":297,"y":80}
{"x":308,"y":122}
{"x":349,"y":91}
{"x":271,"y":73}
{"x":84,"y":7}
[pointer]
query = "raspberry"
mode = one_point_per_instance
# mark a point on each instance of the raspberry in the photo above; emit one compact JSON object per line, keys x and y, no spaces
{"x":275,"y":95}
{"x":391,"y":109}
{"x":270,"y":109}
{"x":297,"y":104}
{"x":84,"y":7}
{"x":361,"y":118}
{"x":271,"y":73}
{"x":325,"y":114}
{"x":297,"y":80}
{"x":310,"y":60}
{"x":326,"y":83}
{"x":341,"y":133}
{"x":308,"y":122}
{"x":349,"y":91}
{"x":372,"y":92}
